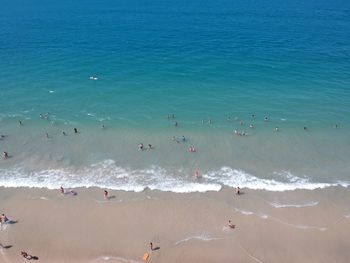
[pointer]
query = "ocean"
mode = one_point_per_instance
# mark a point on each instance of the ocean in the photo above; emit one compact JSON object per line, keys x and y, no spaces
{"x":152,"y":72}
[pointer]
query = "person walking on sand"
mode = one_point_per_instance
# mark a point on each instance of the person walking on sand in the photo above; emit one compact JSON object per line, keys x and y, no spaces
{"x":106,"y":194}
{"x":62,"y":190}
{"x":238,"y":190}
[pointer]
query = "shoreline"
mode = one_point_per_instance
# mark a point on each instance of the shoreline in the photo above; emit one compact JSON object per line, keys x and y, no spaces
{"x":310,"y":226}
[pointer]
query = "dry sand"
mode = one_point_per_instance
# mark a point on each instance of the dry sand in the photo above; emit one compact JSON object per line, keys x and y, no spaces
{"x":186,"y":227}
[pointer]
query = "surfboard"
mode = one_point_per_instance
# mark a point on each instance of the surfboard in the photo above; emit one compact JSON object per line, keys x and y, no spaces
{"x":145,"y":256}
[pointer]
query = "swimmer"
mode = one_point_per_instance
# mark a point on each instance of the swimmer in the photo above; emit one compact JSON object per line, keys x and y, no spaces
{"x":251,"y":126}
{"x":150,"y":147}
{"x":5,"y":155}
{"x":238,"y":191}
{"x":228,"y":119}
{"x":336,"y":126}
{"x":75,"y":130}
{"x":266,"y":119}
{"x":305,"y":128}
{"x":241,"y":123}
{"x":253,"y":116}
{"x":106,"y":194}
{"x":236,"y":132}
{"x":20,"y":122}
{"x":230,"y":225}
{"x":192,"y":149}
{"x":103,"y":126}
{"x":141,"y":147}
{"x":183,"y":138}
{"x":47,"y":136}
{"x":41,"y":116}
{"x":277,"y":129}
{"x":209,"y":122}
{"x":176,"y":124}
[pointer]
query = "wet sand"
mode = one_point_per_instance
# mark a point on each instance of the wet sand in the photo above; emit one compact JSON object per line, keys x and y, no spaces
{"x":292,"y":226}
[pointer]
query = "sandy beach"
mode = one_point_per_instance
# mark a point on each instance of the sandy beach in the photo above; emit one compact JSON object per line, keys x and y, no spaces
{"x":312,"y":226}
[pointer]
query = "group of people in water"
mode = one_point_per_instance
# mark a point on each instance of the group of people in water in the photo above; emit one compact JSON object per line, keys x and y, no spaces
{"x":142,"y":147}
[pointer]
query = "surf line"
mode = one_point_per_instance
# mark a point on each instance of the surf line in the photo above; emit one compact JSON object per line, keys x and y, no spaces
{"x":248,"y":254}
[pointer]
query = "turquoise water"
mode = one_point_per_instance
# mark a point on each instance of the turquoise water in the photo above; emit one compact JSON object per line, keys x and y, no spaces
{"x":211,"y":63}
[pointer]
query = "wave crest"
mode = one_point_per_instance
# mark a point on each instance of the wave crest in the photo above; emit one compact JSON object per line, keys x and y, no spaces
{"x":107,"y":174}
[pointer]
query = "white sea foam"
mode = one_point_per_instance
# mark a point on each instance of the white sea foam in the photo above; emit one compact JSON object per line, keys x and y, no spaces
{"x":244,"y":212}
{"x":40,"y":198}
{"x":264,"y":216}
{"x":107,"y":174}
{"x":116,"y":259}
{"x":232,"y":177}
{"x":279,"y":205}
{"x":204,"y":237}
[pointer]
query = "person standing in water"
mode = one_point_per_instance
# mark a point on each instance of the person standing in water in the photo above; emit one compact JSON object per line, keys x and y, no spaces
{"x":197,"y":175}
{"x":5,"y":155}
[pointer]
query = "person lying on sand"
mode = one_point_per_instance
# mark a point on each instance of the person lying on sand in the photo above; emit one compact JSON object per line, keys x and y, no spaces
{"x":70,"y":192}
{"x":27,"y":256}
{"x":5,"y":220}
{"x":230,"y":225}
